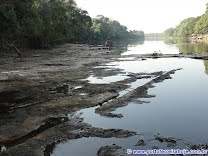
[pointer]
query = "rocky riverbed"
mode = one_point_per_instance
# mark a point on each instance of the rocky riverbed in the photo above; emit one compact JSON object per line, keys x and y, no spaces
{"x":40,"y":93}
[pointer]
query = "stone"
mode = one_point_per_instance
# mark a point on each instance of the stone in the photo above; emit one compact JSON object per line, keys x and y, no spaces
{"x":140,"y":143}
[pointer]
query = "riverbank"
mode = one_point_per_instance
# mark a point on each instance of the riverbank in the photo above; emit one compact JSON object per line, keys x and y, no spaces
{"x":40,"y":90}
{"x":199,"y":38}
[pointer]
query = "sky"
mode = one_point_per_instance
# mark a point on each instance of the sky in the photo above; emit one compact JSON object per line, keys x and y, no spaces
{"x":151,"y":16}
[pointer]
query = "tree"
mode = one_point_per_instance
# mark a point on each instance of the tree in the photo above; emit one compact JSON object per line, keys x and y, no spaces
{"x":201,"y":26}
{"x":42,"y":23}
{"x":190,"y":26}
{"x":169,"y":32}
{"x":104,"y":28}
{"x":185,"y":28}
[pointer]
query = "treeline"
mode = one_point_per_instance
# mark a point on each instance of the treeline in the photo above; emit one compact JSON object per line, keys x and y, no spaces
{"x":42,"y":23}
{"x":103,"y":28}
{"x":187,"y":27}
{"x":153,"y":36}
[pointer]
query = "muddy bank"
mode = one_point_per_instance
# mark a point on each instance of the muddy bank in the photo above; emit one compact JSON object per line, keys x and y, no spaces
{"x":37,"y":91}
{"x":40,"y":93}
{"x":33,"y":143}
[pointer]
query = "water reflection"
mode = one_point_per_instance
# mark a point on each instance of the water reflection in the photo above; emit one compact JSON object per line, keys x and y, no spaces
{"x":206,"y":66}
{"x":179,"y":102}
{"x":106,"y":80}
{"x":179,"y":108}
{"x":120,"y":43}
{"x":200,"y":48}
{"x":168,"y":47}
{"x":177,"y":40}
{"x":151,"y":46}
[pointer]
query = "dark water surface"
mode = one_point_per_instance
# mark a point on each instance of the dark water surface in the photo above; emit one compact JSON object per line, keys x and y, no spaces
{"x":179,"y":108}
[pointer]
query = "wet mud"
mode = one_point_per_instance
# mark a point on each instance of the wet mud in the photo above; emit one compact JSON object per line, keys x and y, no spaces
{"x":40,"y":93}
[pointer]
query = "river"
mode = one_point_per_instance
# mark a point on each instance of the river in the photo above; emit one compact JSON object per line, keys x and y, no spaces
{"x":179,"y":108}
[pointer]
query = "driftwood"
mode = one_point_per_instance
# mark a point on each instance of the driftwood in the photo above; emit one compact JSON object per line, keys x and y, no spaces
{"x":13,"y":47}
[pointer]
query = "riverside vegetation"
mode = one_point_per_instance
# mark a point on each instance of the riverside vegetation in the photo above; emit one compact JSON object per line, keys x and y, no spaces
{"x":41,"y":24}
{"x":45,"y":94}
{"x":193,"y":25}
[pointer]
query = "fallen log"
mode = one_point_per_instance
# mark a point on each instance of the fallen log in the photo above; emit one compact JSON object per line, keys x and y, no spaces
{"x":12,"y":46}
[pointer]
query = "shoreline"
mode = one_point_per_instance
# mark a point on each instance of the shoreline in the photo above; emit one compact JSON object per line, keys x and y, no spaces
{"x":38,"y":90}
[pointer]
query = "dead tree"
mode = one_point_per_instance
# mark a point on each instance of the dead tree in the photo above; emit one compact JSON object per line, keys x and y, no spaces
{"x":12,"y":46}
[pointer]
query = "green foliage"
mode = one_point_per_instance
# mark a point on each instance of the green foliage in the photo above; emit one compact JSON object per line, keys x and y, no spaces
{"x":201,"y":26}
{"x":185,"y":28}
{"x":136,"y":34}
{"x":39,"y":24}
{"x":104,"y":28}
{"x":169,"y":32}
{"x":188,"y":27}
{"x":199,"y":48}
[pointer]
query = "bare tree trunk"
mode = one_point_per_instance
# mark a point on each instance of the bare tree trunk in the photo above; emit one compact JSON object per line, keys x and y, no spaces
{"x":13,"y":47}
{"x":16,"y":50}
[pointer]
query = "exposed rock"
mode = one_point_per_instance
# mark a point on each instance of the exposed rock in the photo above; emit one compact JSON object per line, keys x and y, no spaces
{"x":3,"y":149}
{"x":139,"y":92}
{"x":140,"y":143}
{"x":199,"y":146}
{"x":106,"y":133}
{"x":165,"y":139}
{"x":113,"y":150}
{"x":141,"y":102}
{"x":155,"y":147}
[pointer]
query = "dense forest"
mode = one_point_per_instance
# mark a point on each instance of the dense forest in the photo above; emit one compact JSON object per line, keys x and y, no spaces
{"x":187,"y":27}
{"x":41,"y":24}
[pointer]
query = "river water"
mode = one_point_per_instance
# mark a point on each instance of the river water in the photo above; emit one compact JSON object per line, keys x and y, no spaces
{"x":179,"y":108}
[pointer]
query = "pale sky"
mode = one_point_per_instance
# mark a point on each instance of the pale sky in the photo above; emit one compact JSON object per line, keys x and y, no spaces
{"x":147,"y":15}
